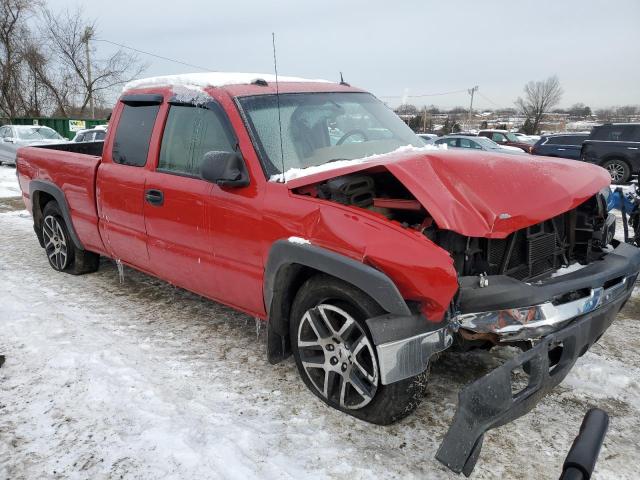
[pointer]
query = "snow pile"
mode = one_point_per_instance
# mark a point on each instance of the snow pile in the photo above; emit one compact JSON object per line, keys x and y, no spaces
{"x":294,"y":173}
{"x":299,"y":241}
{"x":8,"y":182}
{"x":190,"y":94}
{"x":212,"y":79}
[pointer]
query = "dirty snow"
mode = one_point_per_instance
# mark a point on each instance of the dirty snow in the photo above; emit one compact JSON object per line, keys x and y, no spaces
{"x":294,"y":173}
{"x":569,"y":269}
{"x":140,"y":379}
{"x":8,"y":182}
{"x":211,"y":79}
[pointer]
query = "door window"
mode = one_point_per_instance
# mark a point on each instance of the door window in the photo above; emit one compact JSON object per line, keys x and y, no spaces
{"x":131,"y":143}
{"x":189,"y":133}
{"x":466,"y":143}
{"x":498,"y":137}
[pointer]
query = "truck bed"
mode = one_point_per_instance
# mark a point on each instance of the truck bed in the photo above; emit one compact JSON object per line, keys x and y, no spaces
{"x":72,"y":167}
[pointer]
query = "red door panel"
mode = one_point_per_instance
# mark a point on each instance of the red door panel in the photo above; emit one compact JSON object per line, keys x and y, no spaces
{"x":178,"y":235}
{"x":120,"y":193}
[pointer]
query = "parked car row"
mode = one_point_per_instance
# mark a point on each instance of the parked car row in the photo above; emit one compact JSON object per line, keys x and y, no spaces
{"x":614,"y":146}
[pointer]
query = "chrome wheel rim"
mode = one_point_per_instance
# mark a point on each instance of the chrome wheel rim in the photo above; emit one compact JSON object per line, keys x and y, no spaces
{"x":616,"y":171}
{"x":55,"y":243}
{"x":337,"y":357}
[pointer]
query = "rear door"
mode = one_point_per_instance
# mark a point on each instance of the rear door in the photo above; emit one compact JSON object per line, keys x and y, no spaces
{"x":177,"y":201}
{"x":121,"y":179}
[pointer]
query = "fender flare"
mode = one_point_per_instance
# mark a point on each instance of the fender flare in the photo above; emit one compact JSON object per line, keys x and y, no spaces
{"x":285,"y":257}
{"x":58,"y":195}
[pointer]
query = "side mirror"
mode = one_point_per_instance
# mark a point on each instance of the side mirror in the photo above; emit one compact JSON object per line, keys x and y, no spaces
{"x":226,"y":169}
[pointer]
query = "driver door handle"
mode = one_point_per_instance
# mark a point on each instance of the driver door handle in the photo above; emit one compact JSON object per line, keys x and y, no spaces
{"x":154,"y":197}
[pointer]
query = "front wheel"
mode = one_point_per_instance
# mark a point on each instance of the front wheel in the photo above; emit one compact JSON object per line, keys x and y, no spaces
{"x":336,"y":357}
{"x":618,"y":169}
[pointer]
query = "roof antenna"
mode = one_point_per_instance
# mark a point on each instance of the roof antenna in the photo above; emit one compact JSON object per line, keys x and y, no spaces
{"x":342,"y":82}
{"x":275,"y":68}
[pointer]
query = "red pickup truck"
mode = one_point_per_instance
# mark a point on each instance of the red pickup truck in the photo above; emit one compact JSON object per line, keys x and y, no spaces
{"x":313,"y":207}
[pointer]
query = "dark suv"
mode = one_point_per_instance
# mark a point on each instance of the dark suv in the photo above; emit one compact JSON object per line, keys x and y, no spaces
{"x":616,"y":147}
{"x":561,"y":145}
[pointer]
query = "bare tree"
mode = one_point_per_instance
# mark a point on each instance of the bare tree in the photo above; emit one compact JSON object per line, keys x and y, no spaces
{"x":13,"y":17}
{"x":81,"y":77}
{"x":539,"y":97}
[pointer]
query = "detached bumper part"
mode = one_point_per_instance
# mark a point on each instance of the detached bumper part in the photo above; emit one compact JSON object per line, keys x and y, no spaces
{"x":490,"y":401}
{"x":405,"y":344}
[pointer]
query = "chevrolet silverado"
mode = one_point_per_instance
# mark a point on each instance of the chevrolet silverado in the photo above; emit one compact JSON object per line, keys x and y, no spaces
{"x":312,"y":206}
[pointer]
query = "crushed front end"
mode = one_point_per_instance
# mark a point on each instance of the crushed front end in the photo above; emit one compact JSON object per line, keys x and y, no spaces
{"x":551,"y":289}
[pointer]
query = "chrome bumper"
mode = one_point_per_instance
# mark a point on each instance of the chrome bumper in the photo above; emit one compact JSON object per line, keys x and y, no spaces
{"x":405,"y":345}
{"x":525,"y":323}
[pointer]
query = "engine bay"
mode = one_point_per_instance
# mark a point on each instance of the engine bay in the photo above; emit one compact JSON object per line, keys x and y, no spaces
{"x":535,"y":252}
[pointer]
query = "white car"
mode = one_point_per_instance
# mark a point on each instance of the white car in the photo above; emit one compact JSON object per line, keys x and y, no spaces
{"x":13,"y":137}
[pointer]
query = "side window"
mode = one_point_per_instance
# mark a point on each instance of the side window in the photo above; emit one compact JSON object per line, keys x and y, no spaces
{"x":131,"y":143}
{"x":497,"y":137}
{"x":452,"y":142}
{"x":98,"y":136}
{"x":3,"y":132}
{"x":189,"y":133}
{"x":475,"y":145}
{"x":465,"y":143}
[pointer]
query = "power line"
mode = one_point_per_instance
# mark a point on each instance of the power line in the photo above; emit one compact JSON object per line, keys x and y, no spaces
{"x":154,"y":55}
{"x":489,"y":100}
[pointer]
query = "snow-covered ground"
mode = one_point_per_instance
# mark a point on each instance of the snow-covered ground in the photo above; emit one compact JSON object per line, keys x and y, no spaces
{"x":138,"y":379}
{"x":8,"y":182}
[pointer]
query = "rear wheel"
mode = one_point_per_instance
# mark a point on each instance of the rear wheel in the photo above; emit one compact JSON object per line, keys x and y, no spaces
{"x":336,"y":357}
{"x":61,"y":252}
{"x":618,"y":169}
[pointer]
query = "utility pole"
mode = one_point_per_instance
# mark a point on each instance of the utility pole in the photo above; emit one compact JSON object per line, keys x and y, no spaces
{"x":471,"y":91}
{"x":88,"y":34}
{"x":424,"y":120}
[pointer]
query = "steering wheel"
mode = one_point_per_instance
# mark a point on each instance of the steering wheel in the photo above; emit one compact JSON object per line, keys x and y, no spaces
{"x":350,"y":133}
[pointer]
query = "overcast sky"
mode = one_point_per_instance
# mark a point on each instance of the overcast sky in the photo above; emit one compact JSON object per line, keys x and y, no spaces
{"x":392,"y":48}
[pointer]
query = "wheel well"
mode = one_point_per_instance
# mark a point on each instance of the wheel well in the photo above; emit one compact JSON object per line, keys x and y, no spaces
{"x":288,"y":281}
{"x":38,"y":201}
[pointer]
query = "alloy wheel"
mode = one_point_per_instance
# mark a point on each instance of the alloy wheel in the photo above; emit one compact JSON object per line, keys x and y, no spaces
{"x":55,"y":243}
{"x":337,"y":357}
{"x":616,"y":171}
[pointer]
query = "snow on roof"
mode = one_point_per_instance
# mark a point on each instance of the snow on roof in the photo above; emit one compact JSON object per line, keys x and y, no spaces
{"x":211,"y":79}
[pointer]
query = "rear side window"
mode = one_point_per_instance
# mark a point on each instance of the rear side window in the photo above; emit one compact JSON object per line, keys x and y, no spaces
{"x":190,"y":132}
{"x":131,"y":144}
{"x":99,"y":136}
{"x":616,"y":133}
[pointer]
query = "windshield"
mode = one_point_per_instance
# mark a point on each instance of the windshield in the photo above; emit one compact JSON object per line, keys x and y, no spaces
{"x":37,"y":133}
{"x":512,"y":137}
{"x":322,"y":127}
{"x":487,"y":142}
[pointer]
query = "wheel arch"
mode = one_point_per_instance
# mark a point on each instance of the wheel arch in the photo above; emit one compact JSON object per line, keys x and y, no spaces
{"x":41,"y":193}
{"x":290,"y":264}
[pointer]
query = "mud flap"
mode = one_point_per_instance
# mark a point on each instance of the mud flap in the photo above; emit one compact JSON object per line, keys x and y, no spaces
{"x":492,"y":400}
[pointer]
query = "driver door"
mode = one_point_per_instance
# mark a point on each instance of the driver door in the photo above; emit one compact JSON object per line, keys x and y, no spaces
{"x":177,"y":208}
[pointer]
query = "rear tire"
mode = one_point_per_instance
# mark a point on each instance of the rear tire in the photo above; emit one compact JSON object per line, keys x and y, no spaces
{"x":61,"y":252}
{"x":619,"y":170}
{"x":336,"y":357}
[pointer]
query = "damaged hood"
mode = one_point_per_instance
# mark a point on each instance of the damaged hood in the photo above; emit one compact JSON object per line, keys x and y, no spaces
{"x":482,"y":194}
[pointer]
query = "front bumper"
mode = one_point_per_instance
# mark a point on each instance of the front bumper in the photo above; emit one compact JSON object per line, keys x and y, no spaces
{"x":514,"y":311}
{"x":490,"y":401}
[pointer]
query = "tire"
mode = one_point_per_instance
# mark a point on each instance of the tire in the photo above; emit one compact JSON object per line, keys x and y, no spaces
{"x":619,"y":170}
{"x":61,"y":252}
{"x":331,"y":342}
